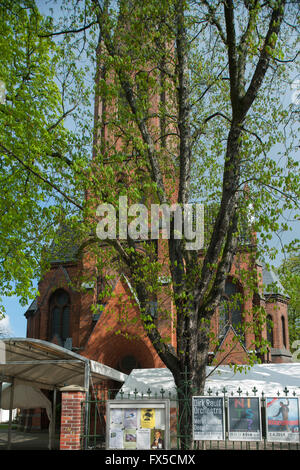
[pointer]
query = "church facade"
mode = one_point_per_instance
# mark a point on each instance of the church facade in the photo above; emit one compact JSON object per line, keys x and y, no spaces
{"x":65,"y":316}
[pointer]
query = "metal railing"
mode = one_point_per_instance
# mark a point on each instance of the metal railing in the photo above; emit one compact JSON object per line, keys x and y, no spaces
{"x":94,"y":436}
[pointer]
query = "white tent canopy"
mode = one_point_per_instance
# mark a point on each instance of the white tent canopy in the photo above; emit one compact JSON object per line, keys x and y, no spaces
{"x":25,"y":397}
{"x":32,"y":365}
{"x":45,"y":365}
{"x":267,"y":378}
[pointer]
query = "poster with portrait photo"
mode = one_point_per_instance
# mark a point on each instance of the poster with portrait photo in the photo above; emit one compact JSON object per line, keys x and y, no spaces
{"x":244,"y":422}
{"x":157,"y":439}
{"x":282,"y":419}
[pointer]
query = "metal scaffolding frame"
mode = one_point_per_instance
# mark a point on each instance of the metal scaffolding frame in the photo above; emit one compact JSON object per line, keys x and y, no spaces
{"x":47,"y":366}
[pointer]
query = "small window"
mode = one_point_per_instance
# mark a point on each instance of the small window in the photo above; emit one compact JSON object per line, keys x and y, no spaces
{"x":230,"y":309}
{"x":60,"y":315}
{"x":283,"y":331}
{"x":270,"y":330}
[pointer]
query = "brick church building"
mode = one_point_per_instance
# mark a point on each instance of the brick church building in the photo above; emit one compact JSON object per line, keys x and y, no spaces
{"x":66,"y":315}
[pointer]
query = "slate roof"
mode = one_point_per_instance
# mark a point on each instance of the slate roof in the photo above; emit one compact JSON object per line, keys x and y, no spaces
{"x":67,"y":248}
{"x":272,"y":284}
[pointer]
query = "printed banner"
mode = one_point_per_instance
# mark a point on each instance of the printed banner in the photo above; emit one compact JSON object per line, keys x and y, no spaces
{"x":244,"y":423}
{"x":208,"y":418}
{"x":282,"y":416}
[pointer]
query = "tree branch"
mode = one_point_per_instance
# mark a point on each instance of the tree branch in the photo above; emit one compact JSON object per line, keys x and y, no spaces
{"x":35,"y":173}
{"x":213,"y":19}
{"x":183,"y":107}
{"x":264,"y":59}
{"x":232,"y":55}
{"x":68,"y":31}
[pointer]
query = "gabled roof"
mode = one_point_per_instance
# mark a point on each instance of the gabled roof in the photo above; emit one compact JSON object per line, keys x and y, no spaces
{"x":33,"y":306}
{"x":230,"y":350}
{"x":66,"y":249}
{"x":271,"y":282}
{"x":229,"y":330}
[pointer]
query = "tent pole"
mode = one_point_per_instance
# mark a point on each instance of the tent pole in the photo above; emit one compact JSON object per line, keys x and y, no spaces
{"x":53,"y":424}
{"x":87,"y":386}
{"x":1,"y":399}
{"x":11,"y":404}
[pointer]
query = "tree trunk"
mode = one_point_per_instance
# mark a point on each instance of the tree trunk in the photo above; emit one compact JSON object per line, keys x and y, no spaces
{"x":190,"y":378}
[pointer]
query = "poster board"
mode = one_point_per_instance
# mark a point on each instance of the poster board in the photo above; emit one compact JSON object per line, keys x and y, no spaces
{"x":208,"y":418}
{"x":244,"y":419}
{"x":138,"y":424}
{"x":282,"y":419}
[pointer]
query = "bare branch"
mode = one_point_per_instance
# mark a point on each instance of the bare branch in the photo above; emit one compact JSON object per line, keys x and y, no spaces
{"x":68,"y":31}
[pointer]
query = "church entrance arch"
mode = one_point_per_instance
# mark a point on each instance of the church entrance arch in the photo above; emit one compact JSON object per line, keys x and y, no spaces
{"x":125,"y":354}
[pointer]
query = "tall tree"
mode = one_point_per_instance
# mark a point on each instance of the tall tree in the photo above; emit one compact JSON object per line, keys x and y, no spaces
{"x":39,"y":91}
{"x":187,"y":103}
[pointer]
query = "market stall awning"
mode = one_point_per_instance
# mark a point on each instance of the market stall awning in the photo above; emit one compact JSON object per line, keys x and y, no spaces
{"x":45,"y":365}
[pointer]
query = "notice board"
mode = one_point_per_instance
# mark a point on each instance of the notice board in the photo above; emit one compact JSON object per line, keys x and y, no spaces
{"x":138,"y":424}
{"x":208,"y":418}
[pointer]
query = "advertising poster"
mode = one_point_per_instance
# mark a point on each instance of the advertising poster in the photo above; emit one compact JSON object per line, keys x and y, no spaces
{"x":282,"y":415}
{"x":143,"y":439}
{"x":116,"y":439}
{"x":130,"y":418}
{"x":148,"y":418}
{"x":208,"y":418}
{"x":157,"y":439}
{"x":116,"y":418}
{"x":244,"y":423}
{"x":130,"y":439}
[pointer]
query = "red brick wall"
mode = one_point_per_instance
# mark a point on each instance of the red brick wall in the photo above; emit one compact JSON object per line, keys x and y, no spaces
{"x":119,"y":333}
{"x":71,"y":423}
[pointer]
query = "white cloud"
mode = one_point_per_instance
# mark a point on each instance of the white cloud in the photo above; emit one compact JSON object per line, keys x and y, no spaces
{"x":5,"y":327}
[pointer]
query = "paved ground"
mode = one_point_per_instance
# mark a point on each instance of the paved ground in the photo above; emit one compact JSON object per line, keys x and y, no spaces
{"x":40,"y":441}
{"x":26,"y":440}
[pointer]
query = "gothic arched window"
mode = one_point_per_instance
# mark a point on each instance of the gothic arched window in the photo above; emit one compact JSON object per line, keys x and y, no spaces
{"x":230,"y":310}
{"x":270,"y":330}
{"x":60,"y":315}
{"x":283,"y":331}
